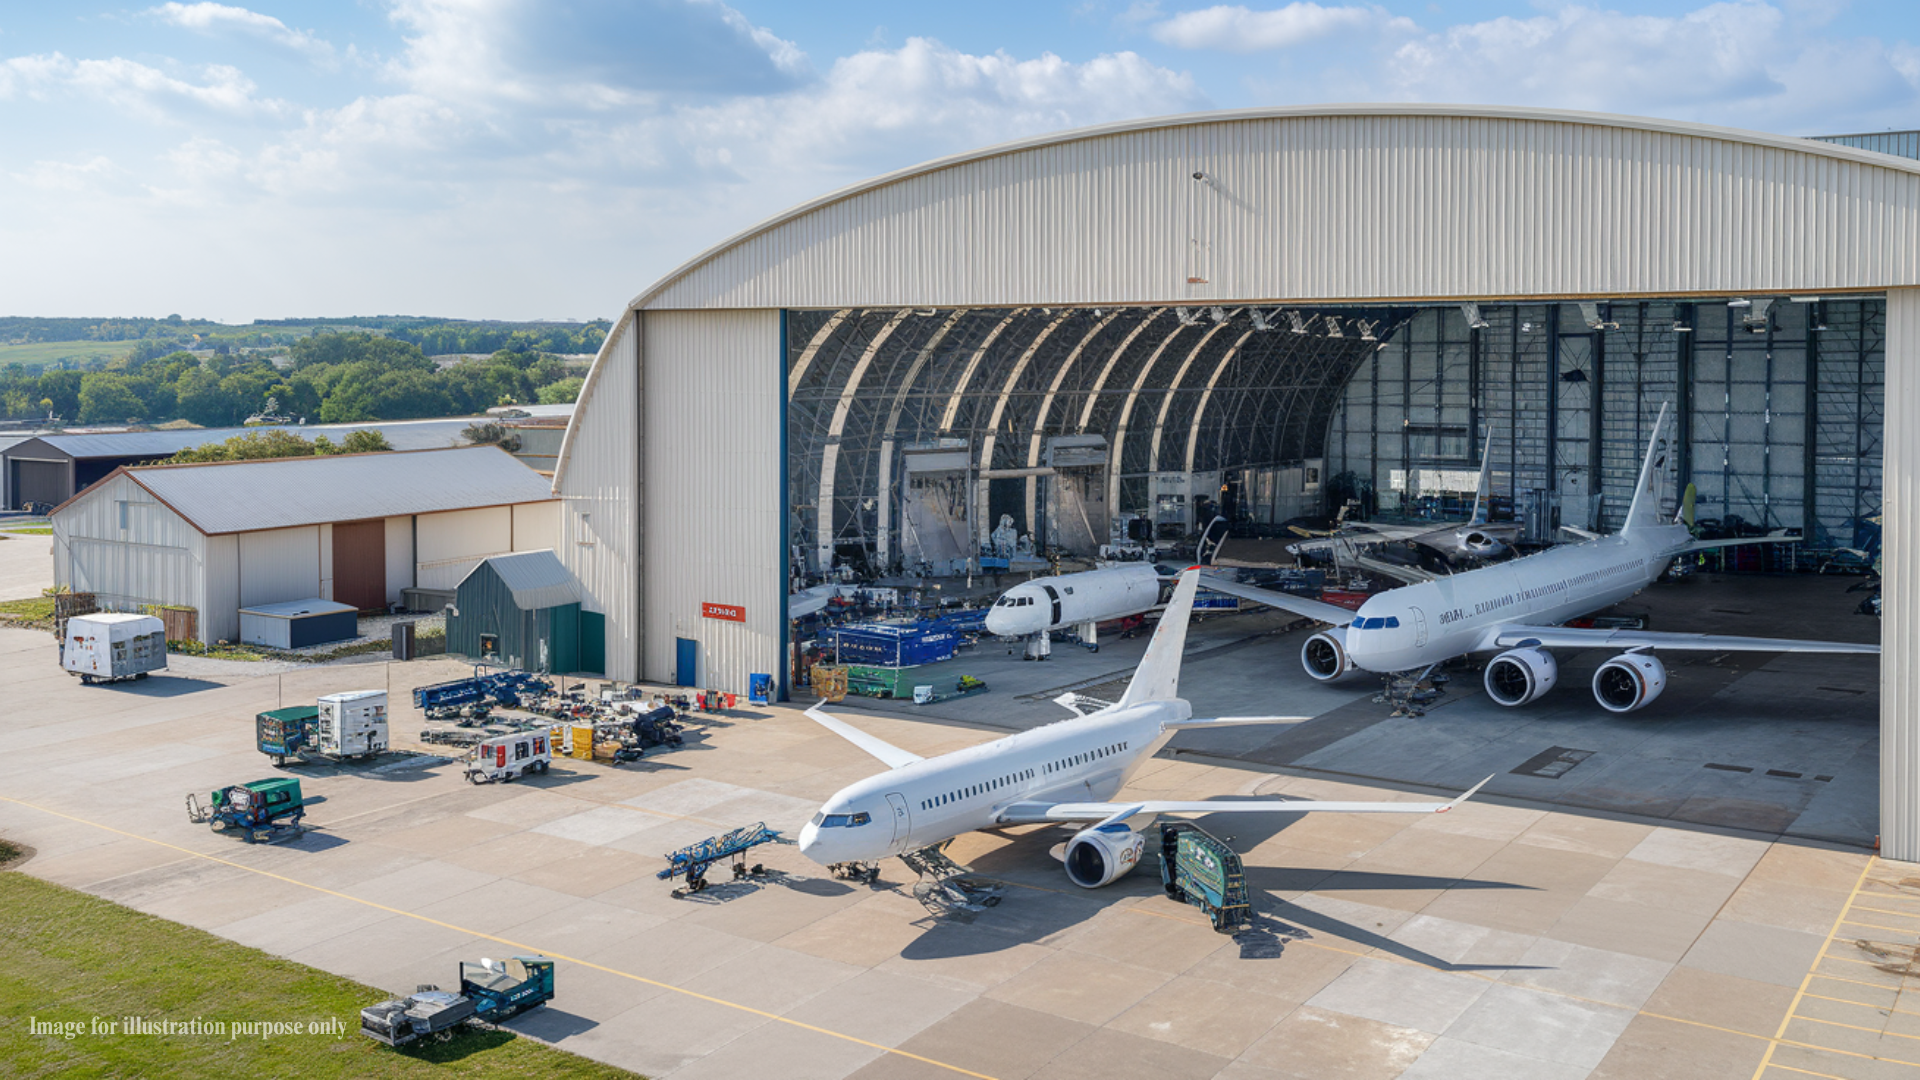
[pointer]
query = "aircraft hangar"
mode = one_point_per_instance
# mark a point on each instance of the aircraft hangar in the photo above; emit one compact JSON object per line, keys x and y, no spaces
{"x":1265,"y":308}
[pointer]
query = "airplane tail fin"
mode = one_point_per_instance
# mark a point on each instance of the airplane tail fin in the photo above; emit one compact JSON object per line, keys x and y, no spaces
{"x":1645,"y":511}
{"x":1158,"y":676}
{"x":1210,"y":540}
{"x":1484,"y":493}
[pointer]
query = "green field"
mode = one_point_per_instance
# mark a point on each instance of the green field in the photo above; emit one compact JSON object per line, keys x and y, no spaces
{"x":39,"y":354}
{"x":72,"y":958}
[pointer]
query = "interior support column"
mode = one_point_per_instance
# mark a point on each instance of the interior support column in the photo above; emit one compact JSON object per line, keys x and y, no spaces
{"x":1900,"y":585}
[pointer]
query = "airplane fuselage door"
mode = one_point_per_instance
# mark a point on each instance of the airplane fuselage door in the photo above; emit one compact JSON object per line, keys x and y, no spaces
{"x":1419,"y":627}
{"x":1055,"y":597}
{"x":902,"y":824}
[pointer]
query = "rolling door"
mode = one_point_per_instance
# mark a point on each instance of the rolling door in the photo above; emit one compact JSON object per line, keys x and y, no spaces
{"x":39,"y":482}
{"x":360,"y":564}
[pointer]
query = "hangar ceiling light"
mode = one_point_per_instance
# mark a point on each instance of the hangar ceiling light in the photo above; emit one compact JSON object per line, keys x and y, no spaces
{"x":1260,"y":322}
{"x":1299,"y":322}
{"x":1471,"y":311}
{"x":1186,"y":316}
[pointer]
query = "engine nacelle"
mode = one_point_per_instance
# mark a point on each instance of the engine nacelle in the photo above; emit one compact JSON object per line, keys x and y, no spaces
{"x":1518,"y":676}
{"x":1629,"y":681}
{"x":1103,"y":855}
{"x":1325,"y":655}
{"x":1475,"y":542}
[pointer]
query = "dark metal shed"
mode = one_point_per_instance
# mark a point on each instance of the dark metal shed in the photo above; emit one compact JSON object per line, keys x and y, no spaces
{"x":524,"y":610}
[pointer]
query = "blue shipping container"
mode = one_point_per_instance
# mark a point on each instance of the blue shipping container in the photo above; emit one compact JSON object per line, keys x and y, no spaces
{"x":894,"y":646}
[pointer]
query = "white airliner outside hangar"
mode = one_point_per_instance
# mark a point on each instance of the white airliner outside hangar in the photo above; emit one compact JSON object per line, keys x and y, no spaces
{"x":1516,"y":608}
{"x":1062,"y":773}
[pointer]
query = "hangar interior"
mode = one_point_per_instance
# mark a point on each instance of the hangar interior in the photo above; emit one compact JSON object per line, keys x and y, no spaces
{"x":913,"y":433}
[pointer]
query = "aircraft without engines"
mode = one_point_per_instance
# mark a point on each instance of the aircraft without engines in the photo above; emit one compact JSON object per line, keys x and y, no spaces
{"x":1082,"y":601}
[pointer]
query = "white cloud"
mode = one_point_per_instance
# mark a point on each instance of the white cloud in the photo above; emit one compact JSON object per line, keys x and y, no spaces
{"x":223,"y":19}
{"x":1745,"y":63}
{"x":132,"y":86}
{"x":1240,"y":29}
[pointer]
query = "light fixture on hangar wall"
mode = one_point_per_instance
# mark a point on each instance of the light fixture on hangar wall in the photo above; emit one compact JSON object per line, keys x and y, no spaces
{"x":1260,"y":322}
{"x":1299,"y":322}
{"x":1471,"y":312}
{"x":1186,"y":316}
{"x":1590,"y":314}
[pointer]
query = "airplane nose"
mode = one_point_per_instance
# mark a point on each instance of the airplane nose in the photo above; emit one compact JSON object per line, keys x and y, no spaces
{"x":810,"y":841}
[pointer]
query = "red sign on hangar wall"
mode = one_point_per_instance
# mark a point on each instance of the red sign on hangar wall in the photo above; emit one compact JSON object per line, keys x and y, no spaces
{"x":729,"y":612}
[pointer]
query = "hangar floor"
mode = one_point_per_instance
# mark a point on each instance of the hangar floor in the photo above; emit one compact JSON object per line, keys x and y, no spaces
{"x":1779,"y":744}
{"x":1504,"y":939}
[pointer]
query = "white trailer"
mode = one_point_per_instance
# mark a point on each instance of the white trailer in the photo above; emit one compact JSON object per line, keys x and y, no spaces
{"x":108,"y":646}
{"x":507,"y":757}
{"x":353,"y":724}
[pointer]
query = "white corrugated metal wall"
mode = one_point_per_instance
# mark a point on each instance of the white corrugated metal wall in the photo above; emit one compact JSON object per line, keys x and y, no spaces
{"x":1401,"y":202}
{"x":600,"y":482}
{"x":400,"y":561}
{"x":278,"y":565}
{"x":712,"y":466}
{"x":127,"y":548}
{"x":453,"y":543}
{"x":220,"y":590}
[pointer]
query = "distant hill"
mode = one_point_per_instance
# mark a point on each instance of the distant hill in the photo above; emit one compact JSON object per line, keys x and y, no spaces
{"x":85,"y":343}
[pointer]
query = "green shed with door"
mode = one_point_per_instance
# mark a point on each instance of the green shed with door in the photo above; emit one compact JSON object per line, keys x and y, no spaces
{"x":525,"y":610}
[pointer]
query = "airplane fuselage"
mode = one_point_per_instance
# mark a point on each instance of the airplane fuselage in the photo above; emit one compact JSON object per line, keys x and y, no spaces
{"x":1087,"y":759}
{"x":1068,"y":600}
{"x":1416,"y":625}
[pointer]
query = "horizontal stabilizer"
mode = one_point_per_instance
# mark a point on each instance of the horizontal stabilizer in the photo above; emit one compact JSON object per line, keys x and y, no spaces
{"x":891,"y":755}
{"x":1581,"y":533}
{"x":1770,"y":538}
{"x":1299,"y":605}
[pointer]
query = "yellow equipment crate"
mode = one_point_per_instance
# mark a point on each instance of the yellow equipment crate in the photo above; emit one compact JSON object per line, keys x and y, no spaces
{"x":829,"y":682}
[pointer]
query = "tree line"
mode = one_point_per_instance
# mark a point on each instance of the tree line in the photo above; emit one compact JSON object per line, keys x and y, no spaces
{"x":331,"y":378}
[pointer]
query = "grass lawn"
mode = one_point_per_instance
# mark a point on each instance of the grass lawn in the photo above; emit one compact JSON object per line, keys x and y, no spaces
{"x":41,"y":353}
{"x":35,"y":613}
{"x":31,"y":530}
{"x":71,"y":957}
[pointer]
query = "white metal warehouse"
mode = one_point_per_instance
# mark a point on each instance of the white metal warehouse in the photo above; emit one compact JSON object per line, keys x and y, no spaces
{"x":357,"y":528}
{"x":1166,"y":237}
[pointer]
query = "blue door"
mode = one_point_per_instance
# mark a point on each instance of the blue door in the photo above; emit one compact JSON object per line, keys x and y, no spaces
{"x":686,"y":667}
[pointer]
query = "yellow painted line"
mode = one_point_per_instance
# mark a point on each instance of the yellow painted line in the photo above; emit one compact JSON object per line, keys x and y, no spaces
{"x":1888,"y":1009}
{"x":1877,"y":926}
{"x":1806,"y":1072}
{"x":1898,"y":989}
{"x":1779,"y":1042}
{"x":1888,"y":911}
{"x":1794,"y":1006}
{"x":510,"y":943}
{"x":1865,"y":963}
{"x":1882,"y":1032}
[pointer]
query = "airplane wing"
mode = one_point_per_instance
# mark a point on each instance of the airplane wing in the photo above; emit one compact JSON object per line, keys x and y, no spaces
{"x":893,"y":756}
{"x":1105,"y":813}
{"x":1571,"y":637}
{"x":1229,"y":721}
{"x":1361,"y":533}
{"x":1299,"y":605}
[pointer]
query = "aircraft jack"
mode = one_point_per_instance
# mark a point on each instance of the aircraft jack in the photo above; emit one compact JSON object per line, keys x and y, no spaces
{"x":944,"y":888}
{"x":1039,"y":646}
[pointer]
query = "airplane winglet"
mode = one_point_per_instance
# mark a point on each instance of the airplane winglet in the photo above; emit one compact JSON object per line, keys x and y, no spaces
{"x":1464,"y":796}
{"x":892,"y":756}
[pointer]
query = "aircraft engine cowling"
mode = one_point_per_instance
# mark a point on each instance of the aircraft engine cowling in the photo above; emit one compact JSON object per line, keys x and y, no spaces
{"x":1518,"y":676}
{"x":1629,"y":681}
{"x":1103,"y":855}
{"x":1325,"y":655}
{"x":1475,"y":542}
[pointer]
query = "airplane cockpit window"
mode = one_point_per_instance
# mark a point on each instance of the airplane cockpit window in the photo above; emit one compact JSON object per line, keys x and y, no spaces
{"x":841,"y":821}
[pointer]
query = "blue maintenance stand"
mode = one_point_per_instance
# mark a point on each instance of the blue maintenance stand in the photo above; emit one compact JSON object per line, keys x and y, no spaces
{"x":692,"y":861}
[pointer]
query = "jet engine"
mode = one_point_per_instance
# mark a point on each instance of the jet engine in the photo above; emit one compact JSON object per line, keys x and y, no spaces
{"x":1629,"y":681}
{"x":1325,"y":655}
{"x":1518,"y":676}
{"x":1102,"y":855}
{"x":1482,"y":544}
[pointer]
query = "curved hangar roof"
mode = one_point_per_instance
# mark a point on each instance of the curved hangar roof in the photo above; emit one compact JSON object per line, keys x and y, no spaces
{"x":1336,"y":202}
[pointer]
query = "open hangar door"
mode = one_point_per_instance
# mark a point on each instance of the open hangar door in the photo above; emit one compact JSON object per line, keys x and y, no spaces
{"x":1065,"y":422}
{"x":1778,"y":410}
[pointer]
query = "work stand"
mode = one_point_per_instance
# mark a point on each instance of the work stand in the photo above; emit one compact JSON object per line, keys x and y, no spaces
{"x":1410,"y":692}
{"x":946,"y":888}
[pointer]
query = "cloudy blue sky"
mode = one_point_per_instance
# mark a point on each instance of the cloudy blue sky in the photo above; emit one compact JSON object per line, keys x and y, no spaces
{"x":520,"y":159}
